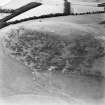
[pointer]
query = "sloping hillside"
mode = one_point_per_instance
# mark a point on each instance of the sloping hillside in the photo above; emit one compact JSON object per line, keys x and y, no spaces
{"x":57,"y":6}
{"x":75,"y":90}
{"x":21,"y":10}
{"x":69,"y":30}
{"x":55,"y":85}
{"x":42,"y":10}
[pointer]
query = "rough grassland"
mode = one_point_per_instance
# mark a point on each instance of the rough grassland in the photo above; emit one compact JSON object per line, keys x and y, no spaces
{"x":41,"y":51}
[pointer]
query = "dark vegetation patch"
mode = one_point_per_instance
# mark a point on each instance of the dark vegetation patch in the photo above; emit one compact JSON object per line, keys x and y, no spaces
{"x":45,"y":51}
{"x":6,"y":10}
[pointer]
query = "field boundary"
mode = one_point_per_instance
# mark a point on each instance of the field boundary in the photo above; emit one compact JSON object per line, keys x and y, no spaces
{"x":6,"y":23}
{"x":54,"y":15}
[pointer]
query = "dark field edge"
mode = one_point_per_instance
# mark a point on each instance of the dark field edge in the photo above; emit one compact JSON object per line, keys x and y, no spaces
{"x":4,"y":24}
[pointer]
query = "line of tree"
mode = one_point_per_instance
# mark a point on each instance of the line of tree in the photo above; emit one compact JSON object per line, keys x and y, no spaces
{"x":52,"y":15}
{"x":6,"y":10}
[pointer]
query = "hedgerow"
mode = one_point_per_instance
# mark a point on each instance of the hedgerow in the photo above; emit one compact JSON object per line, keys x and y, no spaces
{"x":6,"y":10}
{"x":52,"y":15}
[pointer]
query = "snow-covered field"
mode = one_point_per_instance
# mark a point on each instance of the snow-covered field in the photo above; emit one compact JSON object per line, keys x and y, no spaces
{"x":52,"y":6}
{"x":75,"y":90}
{"x":16,"y":82}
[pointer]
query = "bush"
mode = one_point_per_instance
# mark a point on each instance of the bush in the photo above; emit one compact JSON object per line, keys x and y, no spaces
{"x":6,"y":10}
